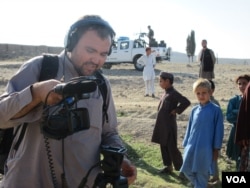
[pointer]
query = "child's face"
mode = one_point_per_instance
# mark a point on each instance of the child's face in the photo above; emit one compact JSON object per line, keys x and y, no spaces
{"x":242,"y":83}
{"x":203,"y":95}
{"x":164,"y":84}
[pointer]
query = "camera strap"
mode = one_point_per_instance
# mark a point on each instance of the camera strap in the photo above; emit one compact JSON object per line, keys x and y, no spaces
{"x":104,"y":90}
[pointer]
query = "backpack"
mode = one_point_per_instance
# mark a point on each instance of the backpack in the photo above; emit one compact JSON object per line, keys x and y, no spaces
{"x":48,"y":70}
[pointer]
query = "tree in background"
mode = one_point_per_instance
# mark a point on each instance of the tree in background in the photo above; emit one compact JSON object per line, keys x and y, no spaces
{"x":190,"y":49}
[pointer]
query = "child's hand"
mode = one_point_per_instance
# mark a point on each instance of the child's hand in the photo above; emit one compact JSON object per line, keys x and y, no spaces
{"x":173,"y":112}
{"x":215,"y":154}
{"x":244,"y":143}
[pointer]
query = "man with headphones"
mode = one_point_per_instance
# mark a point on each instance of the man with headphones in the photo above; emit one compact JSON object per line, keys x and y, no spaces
{"x":64,"y":162}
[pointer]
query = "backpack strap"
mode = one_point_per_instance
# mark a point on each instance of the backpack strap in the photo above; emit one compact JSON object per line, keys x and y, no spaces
{"x":49,"y":67}
{"x":21,"y":135}
{"x":104,"y":90}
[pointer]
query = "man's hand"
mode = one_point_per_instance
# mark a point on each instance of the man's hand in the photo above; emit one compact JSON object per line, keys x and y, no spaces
{"x":129,"y":171}
{"x":40,"y":90}
{"x":215,"y":154}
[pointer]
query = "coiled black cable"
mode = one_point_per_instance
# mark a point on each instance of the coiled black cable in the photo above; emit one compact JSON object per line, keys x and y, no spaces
{"x":50,"y":160}
{"x":48,"y":151}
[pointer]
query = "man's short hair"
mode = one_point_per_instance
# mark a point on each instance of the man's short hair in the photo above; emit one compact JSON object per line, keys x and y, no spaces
{"x":148,"y":48}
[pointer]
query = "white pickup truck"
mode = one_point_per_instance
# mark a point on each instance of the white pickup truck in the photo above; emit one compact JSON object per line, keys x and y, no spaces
{"x":128,"y":51}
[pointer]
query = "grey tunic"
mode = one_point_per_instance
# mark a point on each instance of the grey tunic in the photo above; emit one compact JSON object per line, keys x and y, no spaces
{"x":29,"y":166}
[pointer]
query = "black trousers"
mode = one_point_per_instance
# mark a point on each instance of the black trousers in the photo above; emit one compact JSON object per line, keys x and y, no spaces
{"x":171,"y":155}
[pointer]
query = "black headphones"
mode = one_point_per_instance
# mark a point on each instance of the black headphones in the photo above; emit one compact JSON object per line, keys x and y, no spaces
{"x":72,"y":38}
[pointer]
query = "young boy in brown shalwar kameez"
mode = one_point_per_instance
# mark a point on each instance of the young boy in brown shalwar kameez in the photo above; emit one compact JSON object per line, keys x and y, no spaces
{"x":165,"y":130}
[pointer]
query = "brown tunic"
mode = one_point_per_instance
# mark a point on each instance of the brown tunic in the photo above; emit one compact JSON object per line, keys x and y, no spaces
{"x":166,"y":122}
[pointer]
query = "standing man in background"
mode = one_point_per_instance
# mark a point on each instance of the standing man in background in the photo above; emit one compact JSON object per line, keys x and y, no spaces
{"x":150,"y":35}
{"x":148,"y":61}
{"x":207,"y":59}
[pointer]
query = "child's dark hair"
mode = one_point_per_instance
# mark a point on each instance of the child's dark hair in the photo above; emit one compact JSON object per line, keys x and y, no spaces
{"x":243,"y":76}
{"x":212,"y":85}
{"x":166,"y":75}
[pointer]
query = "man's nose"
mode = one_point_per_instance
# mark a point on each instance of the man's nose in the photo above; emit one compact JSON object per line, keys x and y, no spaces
{"x":96,"y":59}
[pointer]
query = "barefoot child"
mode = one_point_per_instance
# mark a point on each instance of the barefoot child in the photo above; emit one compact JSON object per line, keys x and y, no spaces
{"x":204,"y":135}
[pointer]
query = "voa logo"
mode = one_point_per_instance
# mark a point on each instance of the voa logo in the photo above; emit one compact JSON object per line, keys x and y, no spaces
{"x":236,"y":179}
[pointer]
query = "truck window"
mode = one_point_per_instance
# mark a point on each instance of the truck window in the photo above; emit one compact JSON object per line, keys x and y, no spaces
{"x":139,"y":44}
{"x":124,"y":45}
{"x":114,"y":46}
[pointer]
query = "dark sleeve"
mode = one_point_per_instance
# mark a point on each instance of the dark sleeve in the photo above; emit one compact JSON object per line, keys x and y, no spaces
{"x":183,"y":103}
{"x":232,"y":110}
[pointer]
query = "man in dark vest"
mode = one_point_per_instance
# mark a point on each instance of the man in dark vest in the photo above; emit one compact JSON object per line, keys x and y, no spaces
{"x":207,"y":60}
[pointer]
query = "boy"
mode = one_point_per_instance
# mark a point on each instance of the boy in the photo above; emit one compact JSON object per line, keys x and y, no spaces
{"x":148,"y":62}
{"x":204,"y":135}
{"x":165,"y":130}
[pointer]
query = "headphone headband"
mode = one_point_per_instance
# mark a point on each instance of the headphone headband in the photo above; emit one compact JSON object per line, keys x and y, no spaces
{"x":71,"y":38}
{"x":91,"y":21}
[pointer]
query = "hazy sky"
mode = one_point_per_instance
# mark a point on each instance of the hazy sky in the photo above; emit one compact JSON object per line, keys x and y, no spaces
{"x":224,"y":23}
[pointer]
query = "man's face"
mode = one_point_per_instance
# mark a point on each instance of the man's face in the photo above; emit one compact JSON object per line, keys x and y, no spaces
{"x":90,"y":52}
{"x":204,"y":44}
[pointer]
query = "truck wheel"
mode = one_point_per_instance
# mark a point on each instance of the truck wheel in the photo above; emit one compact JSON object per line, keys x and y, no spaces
{"x":138,"y":66}
{"x":107,"y":66}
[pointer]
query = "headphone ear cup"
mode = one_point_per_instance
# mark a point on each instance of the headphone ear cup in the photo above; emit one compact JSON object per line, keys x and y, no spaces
{"x":71,"y":41}
{"x":110,"y":50}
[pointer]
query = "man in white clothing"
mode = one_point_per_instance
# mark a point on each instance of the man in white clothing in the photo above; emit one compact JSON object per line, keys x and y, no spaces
{"x":148,"y":61}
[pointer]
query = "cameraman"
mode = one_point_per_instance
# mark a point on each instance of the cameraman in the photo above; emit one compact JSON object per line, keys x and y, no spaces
{"x":87,"y":46}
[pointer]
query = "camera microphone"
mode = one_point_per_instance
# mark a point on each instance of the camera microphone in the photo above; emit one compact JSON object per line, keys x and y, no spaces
{"x":74,"y":88}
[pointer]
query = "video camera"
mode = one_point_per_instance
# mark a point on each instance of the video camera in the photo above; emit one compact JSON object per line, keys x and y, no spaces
{"x":66,"y":118}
